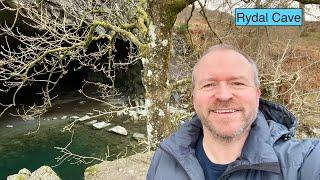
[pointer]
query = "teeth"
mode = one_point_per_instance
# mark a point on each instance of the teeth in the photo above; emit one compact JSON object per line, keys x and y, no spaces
{"x":224,"y":111}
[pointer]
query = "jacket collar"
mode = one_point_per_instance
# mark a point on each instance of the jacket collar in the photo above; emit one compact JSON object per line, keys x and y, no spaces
{"x":258,"y":150}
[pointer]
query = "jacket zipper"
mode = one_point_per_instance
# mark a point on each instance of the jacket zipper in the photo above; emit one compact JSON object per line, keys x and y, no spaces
{"x":270,"y":167}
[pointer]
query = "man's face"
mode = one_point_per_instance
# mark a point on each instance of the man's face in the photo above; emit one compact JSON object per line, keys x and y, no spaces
{"x":225,"y":96}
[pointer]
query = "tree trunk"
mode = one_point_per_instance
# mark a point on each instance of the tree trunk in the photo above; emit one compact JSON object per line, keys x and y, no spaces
{"x":156,"y":65}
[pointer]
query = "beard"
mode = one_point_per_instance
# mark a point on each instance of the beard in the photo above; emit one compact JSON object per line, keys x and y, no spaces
{"x":246,"y":117}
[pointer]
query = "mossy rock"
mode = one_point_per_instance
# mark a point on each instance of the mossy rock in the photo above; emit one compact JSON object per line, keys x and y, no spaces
{"x":92,"y":170}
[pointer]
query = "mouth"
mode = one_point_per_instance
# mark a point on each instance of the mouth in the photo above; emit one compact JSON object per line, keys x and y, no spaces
{"x":224,"y":111}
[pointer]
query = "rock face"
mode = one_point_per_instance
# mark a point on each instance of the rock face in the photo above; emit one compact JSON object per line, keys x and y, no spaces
{"x":44,"y":172}
{"x":134,"y":168}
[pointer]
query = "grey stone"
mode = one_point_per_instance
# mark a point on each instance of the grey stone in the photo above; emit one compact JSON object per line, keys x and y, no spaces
{"x":100,"y":125}
{"x":44,"y":172}
{"x":138,"y":136}
{"x":84,"y":118}
{"x":25,"y":171}
{"x":90,"y":122}
{"x":119,"y":130}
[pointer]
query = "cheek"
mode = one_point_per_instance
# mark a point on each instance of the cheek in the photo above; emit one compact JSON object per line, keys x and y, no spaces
{"x":200,"y":101}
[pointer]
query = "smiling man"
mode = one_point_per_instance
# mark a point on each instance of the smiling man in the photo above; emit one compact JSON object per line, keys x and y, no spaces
{"x":234,"y":134}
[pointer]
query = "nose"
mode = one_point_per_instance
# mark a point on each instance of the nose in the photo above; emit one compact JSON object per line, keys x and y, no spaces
{"x":223,"y":93}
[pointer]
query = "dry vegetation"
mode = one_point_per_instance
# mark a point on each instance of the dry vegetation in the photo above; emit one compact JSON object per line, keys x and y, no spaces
{"x":288,"y":59}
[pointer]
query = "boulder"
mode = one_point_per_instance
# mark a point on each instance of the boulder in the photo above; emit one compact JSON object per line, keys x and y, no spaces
{"x":22,"y":174}
{"x":139,"y":136}
{"x":119,"y":130}
{"x":100,"y":125}
{"x":25,"y":171}
{"x":90,"y":123}
{"x":84,"y":118}
{"x":44,"y":172}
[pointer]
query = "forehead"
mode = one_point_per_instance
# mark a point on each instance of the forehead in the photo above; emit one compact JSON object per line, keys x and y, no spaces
{"x":223,"y":63}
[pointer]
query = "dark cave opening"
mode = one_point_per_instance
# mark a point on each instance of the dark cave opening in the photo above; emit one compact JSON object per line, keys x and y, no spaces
{"x":127,"y":80}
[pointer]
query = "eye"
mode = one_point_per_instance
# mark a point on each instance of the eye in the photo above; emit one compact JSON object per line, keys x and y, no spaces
{"x":209,"y":85}
{"x":238,"y":83}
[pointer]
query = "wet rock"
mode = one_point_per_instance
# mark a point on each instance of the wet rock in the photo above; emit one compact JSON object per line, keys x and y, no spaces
{"x":64,"y":117}
{"x":119,"y":130}
{"x":9,"y":126}
{"x":139,"y":136}
{"x":100,"y":125}
{"x":90,"y":122}
{"x":84,"y":118}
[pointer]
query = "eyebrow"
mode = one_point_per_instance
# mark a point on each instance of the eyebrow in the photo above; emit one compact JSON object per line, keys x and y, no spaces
{"x":231,"y":78}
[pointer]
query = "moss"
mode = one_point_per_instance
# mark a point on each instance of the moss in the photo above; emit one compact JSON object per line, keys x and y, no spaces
{"x":19,"y":177}
{"x":91,"y":170}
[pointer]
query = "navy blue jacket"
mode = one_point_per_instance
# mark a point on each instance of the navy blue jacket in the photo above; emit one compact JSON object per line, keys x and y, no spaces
{"x":270,"y":152}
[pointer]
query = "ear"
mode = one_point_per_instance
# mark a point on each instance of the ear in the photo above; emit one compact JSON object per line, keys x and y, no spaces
{"x":258,"y":93}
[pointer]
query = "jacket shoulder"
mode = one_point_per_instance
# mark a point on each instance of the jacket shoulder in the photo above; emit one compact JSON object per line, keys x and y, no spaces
{"x":311,"y":165}
{"x":299,"y":158}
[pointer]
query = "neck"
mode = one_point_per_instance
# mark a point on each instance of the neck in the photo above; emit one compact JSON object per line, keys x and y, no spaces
{"x":220,"y":151}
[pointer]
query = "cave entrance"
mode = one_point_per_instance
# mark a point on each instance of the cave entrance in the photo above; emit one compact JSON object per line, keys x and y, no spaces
{"x":125,"y":80}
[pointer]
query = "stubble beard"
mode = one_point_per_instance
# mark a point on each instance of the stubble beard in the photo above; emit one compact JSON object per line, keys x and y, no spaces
{"x":247,"y":120}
